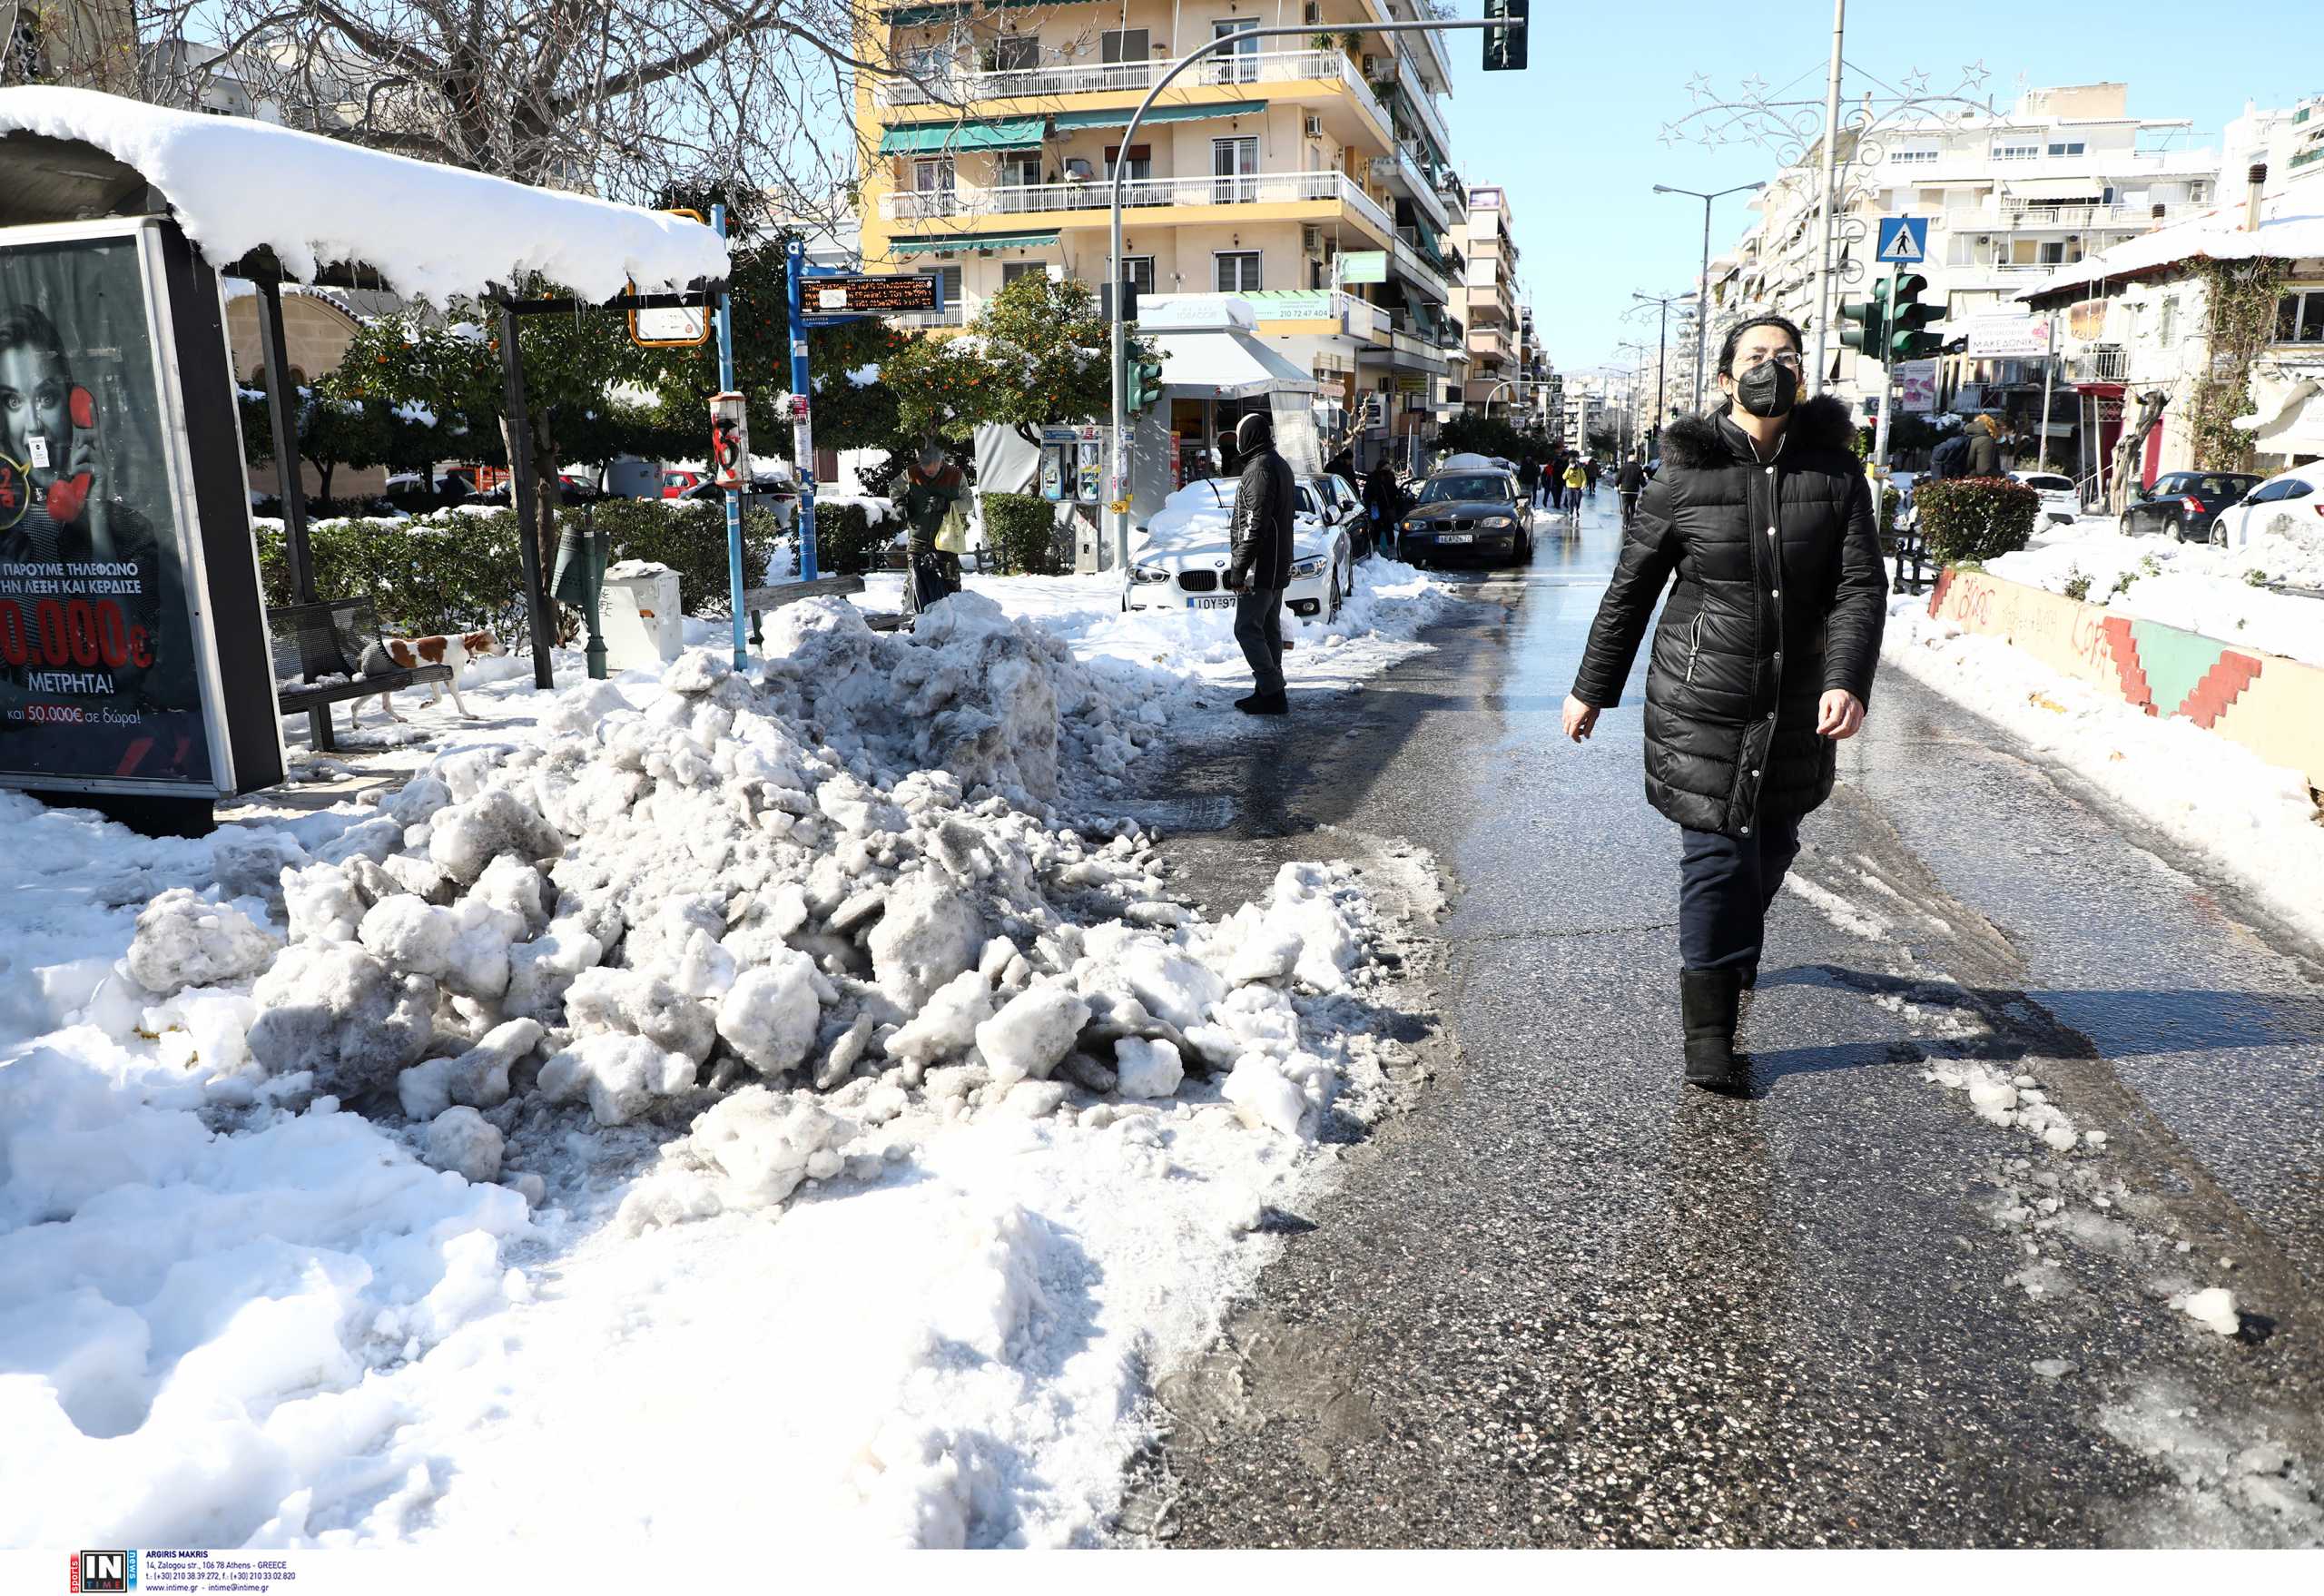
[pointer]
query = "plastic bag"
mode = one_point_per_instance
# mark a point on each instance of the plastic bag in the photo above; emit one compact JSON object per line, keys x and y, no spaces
{"x":953,"y":535}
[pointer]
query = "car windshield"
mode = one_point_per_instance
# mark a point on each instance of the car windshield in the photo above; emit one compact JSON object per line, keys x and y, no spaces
{"x":2048,"y":484}
{"x":2221,"y":486}
{"x":1437,"y":490}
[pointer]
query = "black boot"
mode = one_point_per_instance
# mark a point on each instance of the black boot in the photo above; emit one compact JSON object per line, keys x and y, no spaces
{"x":1743,"y":1005}
{"x":1708,"y":1001}
{"x":1264,"y":703}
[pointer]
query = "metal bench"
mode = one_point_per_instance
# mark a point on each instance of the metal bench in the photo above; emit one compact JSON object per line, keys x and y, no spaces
{"x":757,"y":600}
{"x":322,"y":646}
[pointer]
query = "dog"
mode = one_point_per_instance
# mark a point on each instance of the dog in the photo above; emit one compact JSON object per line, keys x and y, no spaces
{"x":406,"y":654}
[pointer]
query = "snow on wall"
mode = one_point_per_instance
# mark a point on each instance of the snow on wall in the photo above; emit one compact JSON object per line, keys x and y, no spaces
{"x":430,"y":231}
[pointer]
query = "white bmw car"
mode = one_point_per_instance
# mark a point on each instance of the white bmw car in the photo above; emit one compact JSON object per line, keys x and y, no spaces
{"x":1178,"y":559}
{"x":2289,"y":504}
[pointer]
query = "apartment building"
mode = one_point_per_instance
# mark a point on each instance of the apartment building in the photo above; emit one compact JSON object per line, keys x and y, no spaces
{"x":2009,"y":199}
{"x":1308,"y":175}
{"x":1488,"y":290}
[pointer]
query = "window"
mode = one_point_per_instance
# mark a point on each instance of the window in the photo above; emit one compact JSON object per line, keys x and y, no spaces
{"x":933,"y":177}
{"x":2065,"y":147}
{"x":2299,"y":317}
{"x":1122,"y":46}
{"x":1139,"y":269}
{"x":1020,"y":169}
{"x":1919,"y":155}
{"x":1239,"y":65}
{"x":947,"y":288}
{"x":1139,"y":160}
{"x":2290,"y":487}
{"x":2016,"y":150}
{"x":1016,"y":53}
{"x":1234,"y":164}
{"x":1237,"y":272}
{"x":1010,"y":270}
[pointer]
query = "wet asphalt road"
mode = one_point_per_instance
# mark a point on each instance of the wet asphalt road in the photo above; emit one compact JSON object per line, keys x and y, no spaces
{"x":1562,"y":1300}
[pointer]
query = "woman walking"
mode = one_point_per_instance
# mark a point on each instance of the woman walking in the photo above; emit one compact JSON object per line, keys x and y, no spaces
{"x":1763,"y":661}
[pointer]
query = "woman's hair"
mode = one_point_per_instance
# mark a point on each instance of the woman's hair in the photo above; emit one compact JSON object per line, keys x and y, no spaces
{"x":1734,"y":338}
{"x":28,"y":327}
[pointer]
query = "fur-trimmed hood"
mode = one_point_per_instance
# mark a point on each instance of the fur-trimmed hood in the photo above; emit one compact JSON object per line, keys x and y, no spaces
{"x":1698,"y":442}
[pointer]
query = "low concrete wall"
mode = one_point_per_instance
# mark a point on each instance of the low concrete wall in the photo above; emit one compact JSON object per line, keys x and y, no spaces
{"x":2271,"y":706}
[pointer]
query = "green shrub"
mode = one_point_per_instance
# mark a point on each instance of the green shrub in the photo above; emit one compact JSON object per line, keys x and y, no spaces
{"x":689,"y":536}
{"x":1976,"y":517}
{"x":1020,"y":533}
{"x":2077,"y":586}
{"x":846,"y":542}
{"x":457,"y":571}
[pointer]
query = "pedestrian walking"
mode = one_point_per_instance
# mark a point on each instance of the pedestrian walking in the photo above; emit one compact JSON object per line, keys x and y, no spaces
{"x":1383,"y":503}
{"x":1762,"y":663}
{"x":1259,"y":559}
{"x":1528,"y":478}
{"x":936,"y":490}
{"x":1576,"y":478}
{"x":1589,"y":469}
{"x":1984,"y":448}
{"x":1629,"y":484}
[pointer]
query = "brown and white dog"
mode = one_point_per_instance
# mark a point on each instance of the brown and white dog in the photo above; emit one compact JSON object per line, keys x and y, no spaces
{"x":410,"y":653}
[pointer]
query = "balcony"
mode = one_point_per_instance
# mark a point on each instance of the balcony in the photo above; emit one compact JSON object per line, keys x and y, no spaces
{"x":2010,"y":216}
{"x":1089,"y":204}
{"x":1405,"y":172}
{"x":2101,"y":362}
{"x":1134,"y":77}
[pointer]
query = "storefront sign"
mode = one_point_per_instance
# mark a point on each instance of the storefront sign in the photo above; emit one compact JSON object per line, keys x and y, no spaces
{"x":121,"y":567}
{"x":2008,"y":337}
{"x":1363,"y":266}
{"x":2087,"y":320}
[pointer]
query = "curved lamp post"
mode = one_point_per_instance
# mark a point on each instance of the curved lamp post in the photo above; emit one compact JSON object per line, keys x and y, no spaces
{"x":1702,"y":283}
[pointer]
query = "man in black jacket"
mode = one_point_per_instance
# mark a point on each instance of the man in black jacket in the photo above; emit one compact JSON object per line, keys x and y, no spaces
{"x":1629,"y":485}
{"x":1763,"y":662}
{"x":1259,"y":560}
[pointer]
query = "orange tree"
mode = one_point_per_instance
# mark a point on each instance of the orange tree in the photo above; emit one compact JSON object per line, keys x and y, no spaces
{"x":1036,"y":354}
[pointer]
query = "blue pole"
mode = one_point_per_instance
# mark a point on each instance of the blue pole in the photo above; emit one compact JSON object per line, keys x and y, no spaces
{"x":803,"y":434}
{"x":733,"y":494}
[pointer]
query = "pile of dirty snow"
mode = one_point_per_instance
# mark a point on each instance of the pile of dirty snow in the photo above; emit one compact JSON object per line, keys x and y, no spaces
{"x":277,"y":1172}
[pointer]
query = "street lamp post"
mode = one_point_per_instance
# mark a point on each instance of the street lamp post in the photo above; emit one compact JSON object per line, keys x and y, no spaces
{"x":1117,"y":497}
{"x":1702,"y":283}
{"x":1662,"y":356}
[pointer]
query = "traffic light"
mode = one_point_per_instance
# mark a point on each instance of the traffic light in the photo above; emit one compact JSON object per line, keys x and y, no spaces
{"x":1864,"y":323}
{"x":1907,"y":317}
{"x":1505,"y":47}
{"x":1141,"y":382}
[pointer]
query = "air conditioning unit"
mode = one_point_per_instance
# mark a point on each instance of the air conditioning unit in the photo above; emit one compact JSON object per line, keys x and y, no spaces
{"x":1311,"y":239}
{"x":1314,"y":127}
{"x":1315,"y":13}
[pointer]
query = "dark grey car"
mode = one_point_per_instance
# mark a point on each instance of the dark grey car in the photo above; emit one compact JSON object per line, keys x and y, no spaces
{"x":1467,"y":512}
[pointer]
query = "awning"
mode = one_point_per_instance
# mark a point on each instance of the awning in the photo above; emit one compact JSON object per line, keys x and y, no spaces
{"x":1075,"y":121}
{"x":944,"y":138}
{"x":961,"y":242}
{"x":2054,"y":191}
{"x":921,"y":16}
{"x":1225,"y":365}
{"x":2297,"y":424}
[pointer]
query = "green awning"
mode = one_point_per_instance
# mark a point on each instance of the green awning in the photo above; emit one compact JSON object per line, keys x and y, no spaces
{"x":945,"y":138}
{"x":1074,"y":121}
{"x":961,"y":242}
{"x":921,"y":16}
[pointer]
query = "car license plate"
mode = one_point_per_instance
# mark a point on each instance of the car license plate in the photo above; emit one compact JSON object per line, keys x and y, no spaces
{"x":1223,"y":603}
{"x":1456,"y":537}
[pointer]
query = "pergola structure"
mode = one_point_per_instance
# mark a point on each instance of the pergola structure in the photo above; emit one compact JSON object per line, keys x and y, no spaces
{"x":271,"y":204}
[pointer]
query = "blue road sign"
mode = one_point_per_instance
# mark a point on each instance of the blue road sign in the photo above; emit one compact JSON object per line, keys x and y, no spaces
{"x":1904,"y":240}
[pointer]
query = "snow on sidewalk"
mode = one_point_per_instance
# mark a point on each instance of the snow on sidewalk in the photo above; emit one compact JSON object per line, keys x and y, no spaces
{"x":712,"y":1100}
{"x":2254,"y":822}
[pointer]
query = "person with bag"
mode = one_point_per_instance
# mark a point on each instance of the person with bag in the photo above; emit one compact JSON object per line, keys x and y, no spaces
{"x":1259,"y":559}
{"x":1950,"y":458}
{"x":1760,"y":526}
{"x":936,"y":509}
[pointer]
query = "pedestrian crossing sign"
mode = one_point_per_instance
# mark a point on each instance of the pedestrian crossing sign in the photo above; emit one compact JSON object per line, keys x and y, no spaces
{"x":1904,"y":240}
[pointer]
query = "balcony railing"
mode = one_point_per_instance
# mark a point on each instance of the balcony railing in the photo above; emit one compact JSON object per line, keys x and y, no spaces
{"x":2101,"y":362}
{"x":1404,"y":167}
{"x":1090,"y":77}
{"x":1266,"y":188}
{"x":1977,"y":219}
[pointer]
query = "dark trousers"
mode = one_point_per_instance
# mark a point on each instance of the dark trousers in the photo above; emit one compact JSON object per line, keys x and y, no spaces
{"x":1725,"y":886}
{"x":1259,"y":627}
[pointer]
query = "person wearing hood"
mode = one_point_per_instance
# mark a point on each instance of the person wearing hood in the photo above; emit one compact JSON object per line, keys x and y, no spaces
{"x":1760,"y":526}
{"x":1259,"y":559}
{"x":1984,"y":448}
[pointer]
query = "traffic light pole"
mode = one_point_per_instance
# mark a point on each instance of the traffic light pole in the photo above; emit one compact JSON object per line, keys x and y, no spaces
{"x":1117,"y":489}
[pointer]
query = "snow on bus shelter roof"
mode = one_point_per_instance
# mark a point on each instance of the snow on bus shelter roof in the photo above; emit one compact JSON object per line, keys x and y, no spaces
{"x":322,"y":207}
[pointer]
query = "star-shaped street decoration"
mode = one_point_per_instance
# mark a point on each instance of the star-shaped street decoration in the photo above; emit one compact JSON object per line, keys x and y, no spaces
{"x":1974,"y":76}
{"x":1668,"y":135}
{"x":1755,"y":86}
{"x":1710,"y":138}
{"x":1698,"y":86}
{"x":1916,"y":83}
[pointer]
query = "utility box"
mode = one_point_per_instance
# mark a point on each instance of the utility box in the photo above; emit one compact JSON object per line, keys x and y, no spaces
{"x":639,"y":616}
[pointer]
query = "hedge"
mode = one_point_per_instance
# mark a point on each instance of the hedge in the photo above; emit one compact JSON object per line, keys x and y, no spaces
{"x":463,"y":570}
{"x":846,"y":542}
{"x":1975,"y":518}
{"x":1020,"y":533}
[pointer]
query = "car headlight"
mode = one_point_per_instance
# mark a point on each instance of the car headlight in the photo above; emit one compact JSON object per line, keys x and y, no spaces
{"x":1148,"y":574}
{"x":1308,"y":568}
{"x":1494,"y":521}
{"x":1410,"y":525}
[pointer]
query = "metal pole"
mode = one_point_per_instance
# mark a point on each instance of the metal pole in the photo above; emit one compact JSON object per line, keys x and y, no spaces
{"x":1117,"y":493}
{"x":1661,"y":363}
{"x":733,"y":494}
{"x":1702,"y":304}
{"x":1824,"y":199}
{"x":802,"y":430}
{"x":290,"y":482}
{"x":2048,"y":374}
{"x":520,"y":494}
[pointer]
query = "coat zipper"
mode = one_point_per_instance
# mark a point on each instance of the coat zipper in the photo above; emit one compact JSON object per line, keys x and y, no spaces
{"x":1694,"y":646}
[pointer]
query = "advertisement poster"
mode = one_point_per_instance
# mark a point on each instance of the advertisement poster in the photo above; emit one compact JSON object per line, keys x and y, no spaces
{"x":98,"y":678}
{"x":2008,"y":335}
{"x":1916,"y":388}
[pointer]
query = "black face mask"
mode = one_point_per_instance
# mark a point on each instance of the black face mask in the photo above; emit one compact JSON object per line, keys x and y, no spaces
{"x":1769,"y":388}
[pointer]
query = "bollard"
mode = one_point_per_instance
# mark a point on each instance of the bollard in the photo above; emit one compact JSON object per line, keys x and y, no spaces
{"x":580,"y":581}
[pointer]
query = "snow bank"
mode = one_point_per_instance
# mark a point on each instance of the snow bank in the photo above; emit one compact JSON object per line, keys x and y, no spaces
{"x":284,"y":1148}
{"x":326,"y":200}
{"x":2252,"y":821}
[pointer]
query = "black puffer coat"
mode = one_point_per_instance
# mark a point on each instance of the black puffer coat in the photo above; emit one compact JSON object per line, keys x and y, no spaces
{"x":1266,"y":499}
{"x":1758,"y":627}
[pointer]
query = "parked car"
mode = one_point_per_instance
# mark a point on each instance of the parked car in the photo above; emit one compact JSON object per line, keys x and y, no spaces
{"x":1468,"y":512}
{"x":2060,"y":502}
{"x":2289,"y":502}
{"x":1178,"y":559}
{"x":769,"y":490}
{"x":2184,"y":503}
{"x":675,"y":481}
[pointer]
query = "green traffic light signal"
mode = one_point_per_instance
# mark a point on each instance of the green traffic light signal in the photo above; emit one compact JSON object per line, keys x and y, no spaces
{"x":1907,"y":316}
{"x":1142,"y":385}
{"x":1865,"y":322}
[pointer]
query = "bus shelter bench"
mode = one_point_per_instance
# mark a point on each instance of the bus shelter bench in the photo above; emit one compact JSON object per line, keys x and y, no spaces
{"x":322,"y":646}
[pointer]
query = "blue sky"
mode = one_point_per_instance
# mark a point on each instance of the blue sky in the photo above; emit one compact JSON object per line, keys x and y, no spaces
{"x":1573,"y":139}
